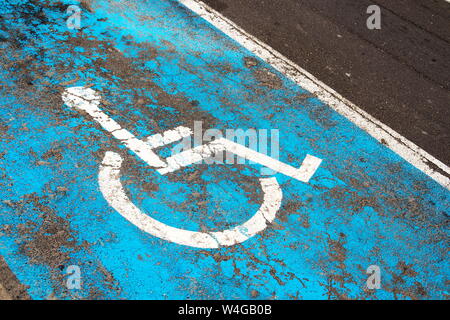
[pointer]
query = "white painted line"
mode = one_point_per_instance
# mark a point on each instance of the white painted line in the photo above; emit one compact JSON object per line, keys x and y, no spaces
{"x":397,"y":143}
{"x":87,"y":100}
{"x":169,"y":136}
{"x":191,"y":156}
{"x":185,"y":158}
{"x":114,"y":193}
{"x":304,"y":173}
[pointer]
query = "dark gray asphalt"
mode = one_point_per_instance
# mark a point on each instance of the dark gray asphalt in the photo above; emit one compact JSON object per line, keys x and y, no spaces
{"x":399,"y":74}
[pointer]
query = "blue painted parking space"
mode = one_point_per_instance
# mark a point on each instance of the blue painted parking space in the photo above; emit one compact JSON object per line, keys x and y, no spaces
{"x":87,"y":114}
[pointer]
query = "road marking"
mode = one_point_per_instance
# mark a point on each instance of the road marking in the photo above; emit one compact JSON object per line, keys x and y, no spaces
{"x":169,"y":136}
{"x":397,"y":143}
{"x":185,"y":158}
{"x":114,"y":193}
{"x":87,"y":100}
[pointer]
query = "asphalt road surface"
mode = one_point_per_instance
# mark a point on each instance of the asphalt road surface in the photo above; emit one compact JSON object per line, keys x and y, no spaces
{"x":399,"y":74}
{"x":99,"y":199}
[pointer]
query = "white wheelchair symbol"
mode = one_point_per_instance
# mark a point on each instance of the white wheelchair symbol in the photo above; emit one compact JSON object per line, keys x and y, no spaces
{"x":87,"y":100}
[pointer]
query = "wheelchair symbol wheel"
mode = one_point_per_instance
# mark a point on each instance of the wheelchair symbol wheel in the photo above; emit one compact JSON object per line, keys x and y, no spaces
{"x":114,"y":193}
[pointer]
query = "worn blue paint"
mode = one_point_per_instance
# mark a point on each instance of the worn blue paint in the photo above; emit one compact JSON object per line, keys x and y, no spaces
{"x":364,"y":206}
